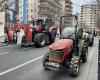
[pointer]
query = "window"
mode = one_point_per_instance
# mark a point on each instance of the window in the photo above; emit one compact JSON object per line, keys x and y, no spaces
{"x":20,"y":12}
{"x":31,"y":10}
{"x":32,"y":16}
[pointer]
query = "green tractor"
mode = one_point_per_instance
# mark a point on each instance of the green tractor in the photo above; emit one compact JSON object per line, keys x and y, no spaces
{"x":88,"y":37}
{"x":69,"y":51}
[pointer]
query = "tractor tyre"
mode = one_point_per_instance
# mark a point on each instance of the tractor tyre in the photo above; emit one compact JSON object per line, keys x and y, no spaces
{"x":45,"y":59}
{"x":40,"y":40}
{"x":53,"y":36}
{"x":74,"y":66}
{"x":84,"y":55}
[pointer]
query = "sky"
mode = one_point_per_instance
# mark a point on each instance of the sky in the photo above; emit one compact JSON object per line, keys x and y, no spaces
{"x":78,"y":3}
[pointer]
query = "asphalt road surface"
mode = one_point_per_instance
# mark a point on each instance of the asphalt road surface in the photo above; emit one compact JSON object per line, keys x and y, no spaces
{"x":18,"y":63}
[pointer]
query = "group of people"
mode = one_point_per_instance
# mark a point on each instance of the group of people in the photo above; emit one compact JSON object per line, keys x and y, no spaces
{"x":15,"y":36}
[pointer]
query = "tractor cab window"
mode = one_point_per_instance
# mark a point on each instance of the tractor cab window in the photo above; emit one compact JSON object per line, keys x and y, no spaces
{"x":47,"y":22}
{"x":38,"y":22}
{"x":68,"y":33}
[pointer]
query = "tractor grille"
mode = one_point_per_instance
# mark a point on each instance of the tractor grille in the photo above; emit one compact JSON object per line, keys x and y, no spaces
{"x":56,"y":55}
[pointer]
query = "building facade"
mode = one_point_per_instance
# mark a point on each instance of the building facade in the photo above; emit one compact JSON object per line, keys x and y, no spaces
{"x":53,"y":9}
{"x":88,"y":16}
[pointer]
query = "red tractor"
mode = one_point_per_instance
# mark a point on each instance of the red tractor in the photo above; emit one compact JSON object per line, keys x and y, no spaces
{"x":69,"y":51}
{"x":40,"y":33}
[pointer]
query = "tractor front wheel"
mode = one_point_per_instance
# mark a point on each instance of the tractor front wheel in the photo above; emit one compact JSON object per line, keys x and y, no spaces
{"x":74,"y":66}
{"x":40,"y":40}
{"x":45,"y":59}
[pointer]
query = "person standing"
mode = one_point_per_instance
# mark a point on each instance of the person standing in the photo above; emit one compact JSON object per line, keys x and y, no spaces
{"x":20,"y":35}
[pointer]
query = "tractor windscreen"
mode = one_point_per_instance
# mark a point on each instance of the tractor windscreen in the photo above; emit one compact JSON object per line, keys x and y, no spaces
{"x":39,"y":22}
{"x":68,"y":26}
{"x":68,"y":32}
{"x":44,"y":23}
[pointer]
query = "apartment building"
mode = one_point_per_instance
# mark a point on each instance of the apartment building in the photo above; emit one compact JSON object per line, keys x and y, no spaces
{"x":50,"y":8}
{"x":53,"y":9}
{"x":88,"y":16}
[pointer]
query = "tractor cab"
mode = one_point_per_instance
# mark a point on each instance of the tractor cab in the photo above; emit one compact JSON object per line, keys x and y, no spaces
{"x":43,"y":24}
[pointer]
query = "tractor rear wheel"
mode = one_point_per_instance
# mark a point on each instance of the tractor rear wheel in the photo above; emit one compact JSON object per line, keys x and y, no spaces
{"x":84,"y":54}
{"x":74,"y":66}
{"x":40,"y":40}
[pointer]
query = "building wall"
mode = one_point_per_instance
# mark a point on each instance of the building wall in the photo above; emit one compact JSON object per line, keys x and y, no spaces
{"x":89,"y":15}
{"x":50,"y":8}
{"x":53,"y":9}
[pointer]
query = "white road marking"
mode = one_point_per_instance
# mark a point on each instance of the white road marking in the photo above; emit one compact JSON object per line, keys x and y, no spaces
{"x":3,"y":53}
{"x":17,"y":67}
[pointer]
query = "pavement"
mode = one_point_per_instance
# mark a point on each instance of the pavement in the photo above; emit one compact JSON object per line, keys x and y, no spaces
{"x":18,"y":63}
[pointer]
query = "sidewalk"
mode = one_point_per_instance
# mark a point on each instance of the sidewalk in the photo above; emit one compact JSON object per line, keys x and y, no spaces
{"x":93,"y":71}
{"x":89,"y":70}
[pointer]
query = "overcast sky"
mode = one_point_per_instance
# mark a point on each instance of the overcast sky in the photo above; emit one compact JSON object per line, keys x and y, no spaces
{"x":78,"y":3}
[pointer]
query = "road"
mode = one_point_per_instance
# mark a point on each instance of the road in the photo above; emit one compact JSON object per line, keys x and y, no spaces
{"x":18,"y":63}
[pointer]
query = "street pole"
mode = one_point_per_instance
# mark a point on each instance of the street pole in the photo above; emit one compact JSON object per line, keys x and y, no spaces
{"x":25,"y":12}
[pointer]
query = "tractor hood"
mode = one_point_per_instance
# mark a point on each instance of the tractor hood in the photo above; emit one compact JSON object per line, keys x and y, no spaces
{"x":61,"y":44}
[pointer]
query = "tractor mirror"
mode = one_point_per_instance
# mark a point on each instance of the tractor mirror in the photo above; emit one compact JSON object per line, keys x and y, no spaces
{"x":80,"y":33}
